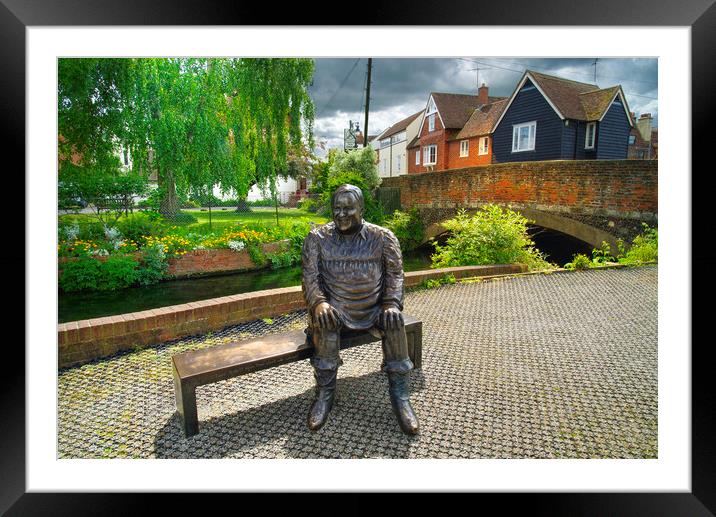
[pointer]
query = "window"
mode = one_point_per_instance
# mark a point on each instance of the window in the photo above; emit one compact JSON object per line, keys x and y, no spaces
{"x":484,"y":145}
{"x":632,"y":139}
{"x":589,"y":136}
{"x":464,"y":148}
{"x":431,"y":122}
{"x":417,"y":157}
{"x":430,"y":154}
{"x":523,"y":137}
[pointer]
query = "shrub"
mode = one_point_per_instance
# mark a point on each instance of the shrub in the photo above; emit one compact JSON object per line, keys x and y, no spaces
{"x":308,"y":204}
{"x":153,"y":266}
{"x":602,"y":255}
{"x":117,"y":272}
{"x":645,"y":247}
{"x":373,"y":211}
{"x":491,"y":236}
{"x":359,"y":161}
{"x":183,"y":218}
{"x":579,"y":261}
{"x":408,"y":228}
{"x":137,"y":226}
{"x":80,"y":274}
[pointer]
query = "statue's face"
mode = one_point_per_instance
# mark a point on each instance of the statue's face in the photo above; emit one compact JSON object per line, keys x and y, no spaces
{"x":347,"y":213}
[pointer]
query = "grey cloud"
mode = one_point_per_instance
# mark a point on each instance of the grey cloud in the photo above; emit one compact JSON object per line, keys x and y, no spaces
{"x":400,"y":86}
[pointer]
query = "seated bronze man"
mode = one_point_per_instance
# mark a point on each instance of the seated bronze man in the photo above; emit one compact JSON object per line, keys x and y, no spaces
{"x":353,"y":280}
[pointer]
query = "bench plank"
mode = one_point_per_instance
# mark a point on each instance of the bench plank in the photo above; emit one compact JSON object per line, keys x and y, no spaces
{"x":221,"y":362}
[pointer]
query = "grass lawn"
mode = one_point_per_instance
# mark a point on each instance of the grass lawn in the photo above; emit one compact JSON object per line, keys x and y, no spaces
{"x":222,"y":218}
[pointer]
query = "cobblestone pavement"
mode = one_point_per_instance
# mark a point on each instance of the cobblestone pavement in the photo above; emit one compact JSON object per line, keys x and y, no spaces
{"x":543,"y":366}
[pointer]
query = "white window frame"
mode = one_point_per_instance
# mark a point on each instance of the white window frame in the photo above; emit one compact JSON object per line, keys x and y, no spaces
{"x":531,"y":138}
{"x":417,"y":157}
{"x":464,"y":148}
{"x":431,"y":122}
{"x":427,"y":153}
{"x":591,"y":126}
{"x":484,"y":146}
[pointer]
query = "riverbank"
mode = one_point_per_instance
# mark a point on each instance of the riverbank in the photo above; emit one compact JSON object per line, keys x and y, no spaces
{"x":82,"y":341}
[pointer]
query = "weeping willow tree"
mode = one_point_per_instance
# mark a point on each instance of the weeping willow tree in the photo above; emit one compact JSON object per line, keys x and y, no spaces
{"x":196,"y":122}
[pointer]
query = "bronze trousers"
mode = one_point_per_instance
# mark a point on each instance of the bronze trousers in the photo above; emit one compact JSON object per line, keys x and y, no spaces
{"x":327,"y":344}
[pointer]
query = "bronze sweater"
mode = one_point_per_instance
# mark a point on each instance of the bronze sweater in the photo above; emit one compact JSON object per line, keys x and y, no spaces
{"x":357,"y":274}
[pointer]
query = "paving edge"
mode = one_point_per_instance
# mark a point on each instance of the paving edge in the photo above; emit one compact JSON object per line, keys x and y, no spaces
{"x":79,"y":342}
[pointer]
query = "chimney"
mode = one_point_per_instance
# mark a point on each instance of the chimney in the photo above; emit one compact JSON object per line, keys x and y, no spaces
{"x":644,"y":126}
{"x":482,"y":97}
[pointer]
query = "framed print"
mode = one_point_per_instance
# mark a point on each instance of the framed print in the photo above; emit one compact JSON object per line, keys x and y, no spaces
{"x":42,"y":32}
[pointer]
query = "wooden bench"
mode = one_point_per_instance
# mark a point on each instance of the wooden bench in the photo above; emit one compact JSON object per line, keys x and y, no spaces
{"x":218,"y":363}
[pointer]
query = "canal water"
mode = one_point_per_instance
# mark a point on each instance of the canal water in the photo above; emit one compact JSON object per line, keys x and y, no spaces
{"x":95,"y":304}
{"x":558,"y":247}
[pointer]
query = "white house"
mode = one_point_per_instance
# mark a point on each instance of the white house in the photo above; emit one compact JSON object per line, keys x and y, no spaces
{"x":392,"y":146}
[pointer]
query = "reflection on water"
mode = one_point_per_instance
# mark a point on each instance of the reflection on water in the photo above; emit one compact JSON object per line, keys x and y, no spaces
{"x":81,"y":305}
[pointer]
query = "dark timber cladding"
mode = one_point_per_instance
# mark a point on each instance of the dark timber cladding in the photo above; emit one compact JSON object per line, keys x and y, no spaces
{"x":529,"y":105}
{"x":613,"y":133}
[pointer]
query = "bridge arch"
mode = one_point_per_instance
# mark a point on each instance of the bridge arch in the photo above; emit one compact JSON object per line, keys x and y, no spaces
{"x":551,"y":220}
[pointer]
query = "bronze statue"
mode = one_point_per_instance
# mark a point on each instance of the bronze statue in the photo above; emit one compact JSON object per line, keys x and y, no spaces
{"x":353,"y":281}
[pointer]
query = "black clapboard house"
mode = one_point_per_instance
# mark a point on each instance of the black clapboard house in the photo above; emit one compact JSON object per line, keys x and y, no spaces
{"x":550,"y":118}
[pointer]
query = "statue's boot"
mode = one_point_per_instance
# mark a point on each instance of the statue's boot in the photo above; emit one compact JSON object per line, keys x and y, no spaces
{"x":323,"y":402}
{"x":400,"y":400}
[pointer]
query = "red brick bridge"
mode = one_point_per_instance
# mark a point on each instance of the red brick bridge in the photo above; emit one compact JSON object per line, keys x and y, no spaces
{"x":591,"y":200}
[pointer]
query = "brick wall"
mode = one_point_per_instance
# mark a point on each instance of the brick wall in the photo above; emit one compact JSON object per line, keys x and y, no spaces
{"x":82,"y":341}
{"x":473,"y":159}
{"x":626,"y":188}
{"x":201,"y":262}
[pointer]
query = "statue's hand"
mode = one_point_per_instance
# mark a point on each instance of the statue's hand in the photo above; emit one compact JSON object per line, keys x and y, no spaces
{"x":391,"y":318}
{"x":326,"y":316}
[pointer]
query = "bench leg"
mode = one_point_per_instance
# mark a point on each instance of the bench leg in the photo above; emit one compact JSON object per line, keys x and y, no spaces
{"x":415,"y":346}
{"x":185,"y":394}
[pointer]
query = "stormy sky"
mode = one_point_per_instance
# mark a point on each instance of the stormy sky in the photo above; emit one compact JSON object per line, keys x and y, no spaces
{"x":400,"y":86}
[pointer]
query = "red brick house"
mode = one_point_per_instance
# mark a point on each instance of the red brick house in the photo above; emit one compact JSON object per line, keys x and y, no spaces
{"x":454,"y":132}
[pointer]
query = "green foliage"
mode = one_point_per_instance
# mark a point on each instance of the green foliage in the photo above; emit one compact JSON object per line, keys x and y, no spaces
{"x":431,"y":283}
{"x":284,"y":259}
{"x":579,"y":261}
{"x":408,"y":228}
{"x":602,"y":255}
{"x":256,"y":255}
{"x":108,"y":190}
{"x":80,"y":274}
{"x":309,"y":205}
{"x":137,"y":226}
{"x":267,"y":202}
{"x":153,"y":266}
{"x":196,"y":122}
{"x":644,"y":248}
{"x":361,"y":161}
{"x":491,"y":236}
{"x":372,"y":213}
{"x":183,"y":218}
{"x":117,"y":272}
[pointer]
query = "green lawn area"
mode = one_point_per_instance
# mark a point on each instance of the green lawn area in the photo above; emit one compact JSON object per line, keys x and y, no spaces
{"x":222,"y":218}
{"x":265,"y":216}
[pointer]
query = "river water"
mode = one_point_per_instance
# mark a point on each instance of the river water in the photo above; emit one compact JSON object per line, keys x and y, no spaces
{"x":95,"y":304}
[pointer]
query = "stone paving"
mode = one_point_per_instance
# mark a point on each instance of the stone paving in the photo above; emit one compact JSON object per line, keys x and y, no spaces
{"x":562,"y":365}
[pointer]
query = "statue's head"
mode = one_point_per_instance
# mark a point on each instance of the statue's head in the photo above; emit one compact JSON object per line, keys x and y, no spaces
{"x":347,"y":205}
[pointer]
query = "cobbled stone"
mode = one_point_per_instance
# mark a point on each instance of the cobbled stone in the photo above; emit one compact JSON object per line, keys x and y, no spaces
{"x":540,"y":366}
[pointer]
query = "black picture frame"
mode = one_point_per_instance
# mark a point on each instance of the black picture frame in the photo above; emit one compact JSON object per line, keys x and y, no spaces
{"x":700,"y":15}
